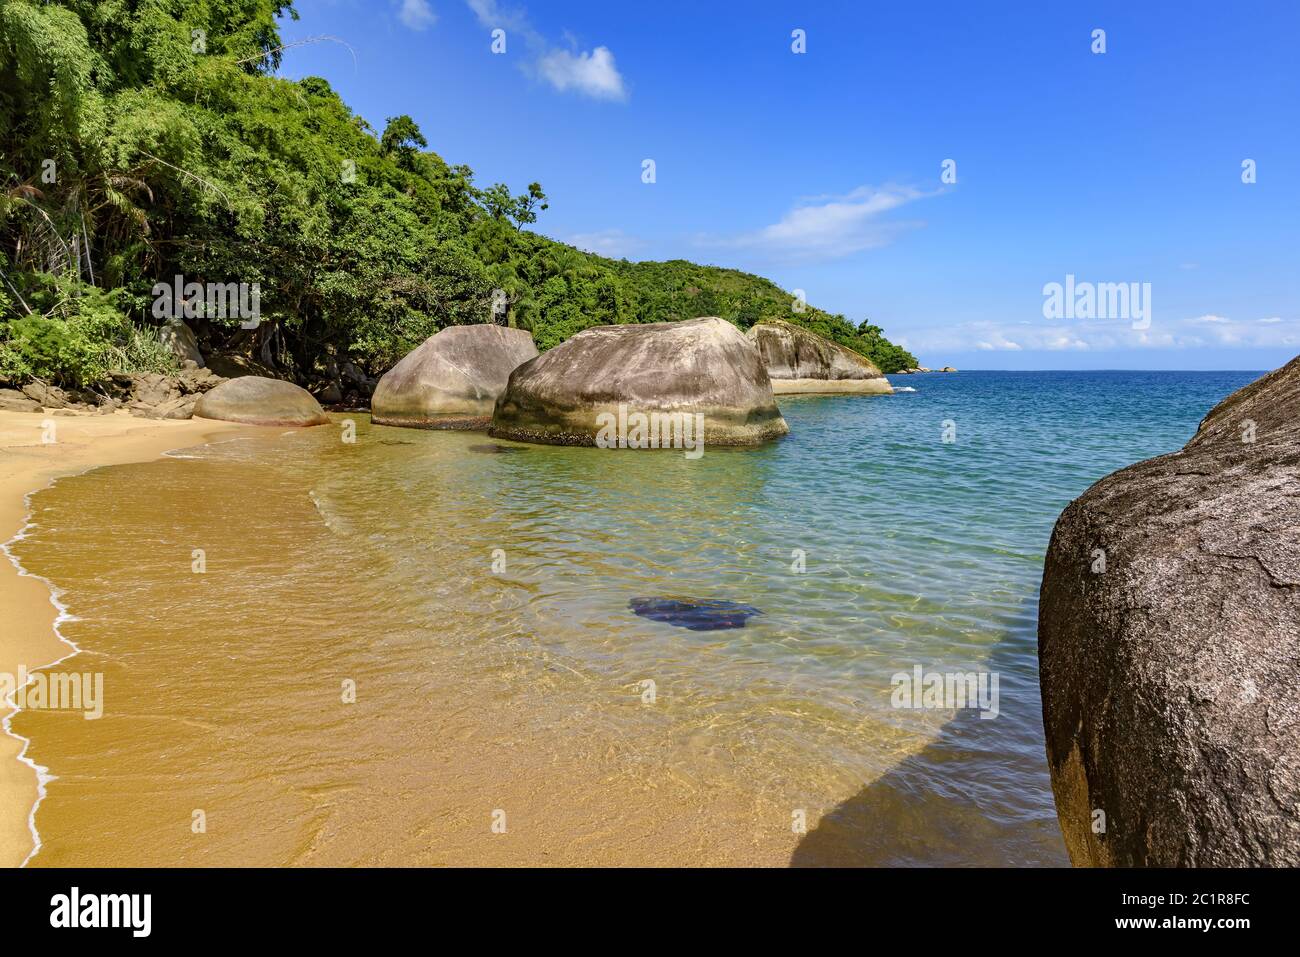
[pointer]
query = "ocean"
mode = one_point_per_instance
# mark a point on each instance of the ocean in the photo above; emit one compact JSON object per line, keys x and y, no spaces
{"x":436,"y":648}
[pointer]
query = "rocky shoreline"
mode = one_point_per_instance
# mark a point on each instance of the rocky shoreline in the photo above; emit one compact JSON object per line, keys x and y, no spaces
{"x":149,"y":395}
{"x":702,"y":375}
{"x":464,"y":377}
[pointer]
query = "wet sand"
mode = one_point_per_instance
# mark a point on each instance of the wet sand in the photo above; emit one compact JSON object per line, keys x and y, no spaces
{"x":28,"y":463}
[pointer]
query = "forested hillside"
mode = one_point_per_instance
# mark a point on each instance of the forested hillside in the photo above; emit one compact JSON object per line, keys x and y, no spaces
{"x":142,"y":140}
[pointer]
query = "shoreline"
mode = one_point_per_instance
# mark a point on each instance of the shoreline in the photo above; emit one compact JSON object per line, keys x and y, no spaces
{"x":31,"y":638}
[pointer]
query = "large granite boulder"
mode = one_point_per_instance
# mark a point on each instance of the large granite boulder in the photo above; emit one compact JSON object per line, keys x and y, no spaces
{"x":801,"y":361}
{"x":452,"y":380}
{"x":700,"y":367}
{"x":1169,"y":647}
{"x":181,"y":341}
{"x":259,"y":401}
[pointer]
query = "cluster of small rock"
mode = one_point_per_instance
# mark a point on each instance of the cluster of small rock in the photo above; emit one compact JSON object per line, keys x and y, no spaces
{"x":922,"y":369}
{"x":150,"y":395}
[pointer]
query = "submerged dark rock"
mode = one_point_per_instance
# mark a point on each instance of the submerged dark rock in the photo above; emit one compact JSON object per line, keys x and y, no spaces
{"x":695,"y":614}
{"x":490,"y":448}
{"x":1169,"y":648}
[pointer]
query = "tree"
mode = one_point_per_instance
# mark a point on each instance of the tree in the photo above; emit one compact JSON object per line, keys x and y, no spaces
{"x":402,"y":138}
{"x":526,"y":205}
{"x":500,"y":205}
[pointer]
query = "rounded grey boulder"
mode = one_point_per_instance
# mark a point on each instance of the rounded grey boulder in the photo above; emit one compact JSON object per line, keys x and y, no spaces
{"x":255,"y":400}
{"x":181,"y":341}
{"x":452,"y":379}
{"x":1169,"y":648}
{"x":800,"y":361}
{"x":700,"y":367}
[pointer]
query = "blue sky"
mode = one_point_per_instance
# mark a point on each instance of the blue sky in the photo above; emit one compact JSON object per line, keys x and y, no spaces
{"x":823,"y":169}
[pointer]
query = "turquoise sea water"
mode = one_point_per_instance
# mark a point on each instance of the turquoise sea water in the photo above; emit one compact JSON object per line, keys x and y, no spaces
{"x":437,"y":568}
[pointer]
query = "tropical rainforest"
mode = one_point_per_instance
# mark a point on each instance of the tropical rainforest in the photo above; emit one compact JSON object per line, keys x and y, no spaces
{"x":142,"y":140}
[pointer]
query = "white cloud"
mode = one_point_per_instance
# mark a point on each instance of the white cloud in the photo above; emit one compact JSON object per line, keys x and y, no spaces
{"x":998,"y":342}
{"x":492,"y":15}
{"x":1108,"y":335}
{"x":417,"y":14}
{"x":829,"y":227}
{"x":613,"y":243}
{"x":593,"y":74}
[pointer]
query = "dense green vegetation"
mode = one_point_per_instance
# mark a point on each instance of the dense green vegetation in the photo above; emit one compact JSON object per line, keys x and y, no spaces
{"x":146,"y":139}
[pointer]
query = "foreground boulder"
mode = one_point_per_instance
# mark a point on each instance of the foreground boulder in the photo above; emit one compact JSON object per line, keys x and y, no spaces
{"x":603,"y":378}
{"x":1169,"y":647}
{"x":452,"y":380}
{"x":798,"y":360}
{"x":258,"y":401}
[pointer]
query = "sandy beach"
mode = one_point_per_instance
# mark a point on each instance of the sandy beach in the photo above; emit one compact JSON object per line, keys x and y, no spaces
{"x":28,"y":463}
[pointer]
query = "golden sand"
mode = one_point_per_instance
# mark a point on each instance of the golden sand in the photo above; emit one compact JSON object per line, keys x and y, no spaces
{"x":28,"y":639}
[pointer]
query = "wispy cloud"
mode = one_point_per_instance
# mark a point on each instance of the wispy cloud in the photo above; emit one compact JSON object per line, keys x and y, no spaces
{"x":613,"y":243}
{"x":821,"y":228}
{"x":492,"y":15}
{"x":591,"y":73}
{"x":417,"y":14}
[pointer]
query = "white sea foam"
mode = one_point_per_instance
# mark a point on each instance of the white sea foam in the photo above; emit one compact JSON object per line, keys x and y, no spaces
{"x":43,"y":775}
{"x":331,"y":522}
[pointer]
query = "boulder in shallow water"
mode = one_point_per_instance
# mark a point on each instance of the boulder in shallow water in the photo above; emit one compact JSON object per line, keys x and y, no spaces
{"x":255,"y":400}
{"x":1169,"y":647}
{"x":452,"y":380}
{"x":704,"y":369}
{"x":798,"y":360}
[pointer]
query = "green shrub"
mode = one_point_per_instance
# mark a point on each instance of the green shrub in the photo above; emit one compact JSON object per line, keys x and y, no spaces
{"x":142,"y":350}
{"x":77,"y":337}
{"x":49,"y":348}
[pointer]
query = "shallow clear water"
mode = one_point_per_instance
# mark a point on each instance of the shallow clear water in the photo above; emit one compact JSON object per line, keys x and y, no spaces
{"x":481,"y":604}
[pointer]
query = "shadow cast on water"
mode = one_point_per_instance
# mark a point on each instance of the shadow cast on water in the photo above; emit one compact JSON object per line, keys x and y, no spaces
{"x":978,"y":795}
